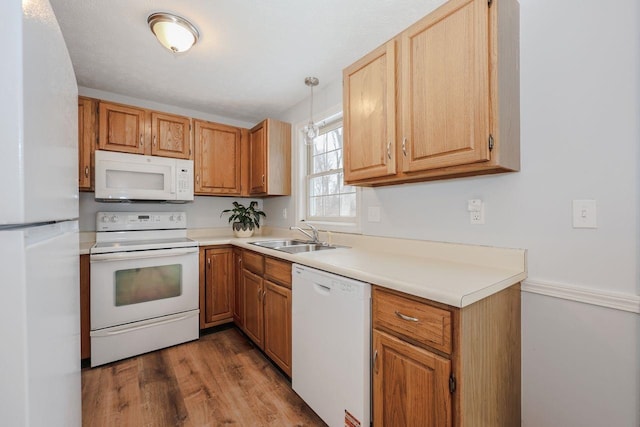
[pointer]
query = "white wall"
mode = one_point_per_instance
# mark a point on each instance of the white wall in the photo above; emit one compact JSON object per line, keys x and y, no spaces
{"x":580,"y":133}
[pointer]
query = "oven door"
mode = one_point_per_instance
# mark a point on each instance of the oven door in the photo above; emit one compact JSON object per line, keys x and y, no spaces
{"x":132,"y":286}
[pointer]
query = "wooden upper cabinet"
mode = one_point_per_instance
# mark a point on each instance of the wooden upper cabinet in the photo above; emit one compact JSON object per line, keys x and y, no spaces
{"x":170,"y":135}
{"x":456,"y":93}
{"x":270,"y":159}
{"x":122,"y":128}
{"x":135,"y":130}
{"x":369,"y":115}
{"x":217,"y":158}
{"x":445,"y":88}
{"x":86,"y":142}
{"x":258,"y":159}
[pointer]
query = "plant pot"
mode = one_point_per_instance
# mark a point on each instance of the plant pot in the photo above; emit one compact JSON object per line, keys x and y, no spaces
{"x":242,"y":231}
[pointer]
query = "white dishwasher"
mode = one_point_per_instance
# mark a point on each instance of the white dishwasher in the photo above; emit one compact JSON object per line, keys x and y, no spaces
{"x":331,"y":340}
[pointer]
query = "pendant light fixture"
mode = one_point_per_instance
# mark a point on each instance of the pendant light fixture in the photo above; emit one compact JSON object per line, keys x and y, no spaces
{"x":310,"y":130}
{"x":173,"y":32}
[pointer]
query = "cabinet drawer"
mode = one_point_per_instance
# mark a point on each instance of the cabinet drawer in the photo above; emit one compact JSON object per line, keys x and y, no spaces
{"x":411,"y":319}
{"x":253,"y":262}
{"x":278,"y":271}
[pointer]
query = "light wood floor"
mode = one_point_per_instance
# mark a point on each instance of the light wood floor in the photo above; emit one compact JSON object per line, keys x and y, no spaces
{"x":219,"y":380}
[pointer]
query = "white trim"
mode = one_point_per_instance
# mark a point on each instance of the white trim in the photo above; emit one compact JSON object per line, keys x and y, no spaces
{"x":617,"y":301}
{"x":299,"y":180}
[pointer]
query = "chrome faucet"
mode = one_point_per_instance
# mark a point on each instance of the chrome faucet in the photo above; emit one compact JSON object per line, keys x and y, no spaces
{"x":313,"y":235}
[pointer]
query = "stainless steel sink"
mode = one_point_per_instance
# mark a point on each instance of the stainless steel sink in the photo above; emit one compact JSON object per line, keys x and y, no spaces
{"x":278,"y":243}
{"x":293,"y":246}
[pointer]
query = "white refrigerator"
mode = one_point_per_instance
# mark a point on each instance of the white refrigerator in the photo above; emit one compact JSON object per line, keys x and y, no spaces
{"x":39,"y":277}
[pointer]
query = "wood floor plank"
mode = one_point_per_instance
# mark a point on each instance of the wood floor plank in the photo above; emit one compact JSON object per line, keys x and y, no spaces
{"x":219,"y":380}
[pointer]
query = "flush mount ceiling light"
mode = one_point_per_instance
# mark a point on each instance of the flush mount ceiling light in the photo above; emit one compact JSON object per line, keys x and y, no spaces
{"x":172,"y":31}
{"x":310,"y":130}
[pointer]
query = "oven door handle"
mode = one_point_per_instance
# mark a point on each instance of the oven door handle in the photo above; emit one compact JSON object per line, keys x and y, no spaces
{"x":158,"y":253}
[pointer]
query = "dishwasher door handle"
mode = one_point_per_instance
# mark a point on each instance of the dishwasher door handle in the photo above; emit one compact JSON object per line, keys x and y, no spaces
{"x":321,"y":289}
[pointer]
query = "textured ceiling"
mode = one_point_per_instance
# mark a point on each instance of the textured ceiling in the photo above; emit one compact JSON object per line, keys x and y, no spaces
{"x":252,"y":57}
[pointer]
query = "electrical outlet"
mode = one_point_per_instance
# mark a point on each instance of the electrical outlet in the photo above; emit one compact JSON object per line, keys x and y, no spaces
{"x":476,"y":211}
{"x":373,"y":214}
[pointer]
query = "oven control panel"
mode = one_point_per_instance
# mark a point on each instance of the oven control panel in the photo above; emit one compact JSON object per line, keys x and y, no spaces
{"x":120,"y":221}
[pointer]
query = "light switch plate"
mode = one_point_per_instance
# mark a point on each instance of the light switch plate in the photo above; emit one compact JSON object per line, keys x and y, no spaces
{"x":584,"y":214}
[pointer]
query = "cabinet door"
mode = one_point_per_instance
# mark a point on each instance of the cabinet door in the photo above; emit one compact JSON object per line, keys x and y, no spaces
{"x":253,"y":309}
{"x":370,"y":115}
{"x":218,"y":284}
{"x":238,"y":301}
{"x":445,"y":87}
{"x":170,"y":136}
{"x":217,"y":158}
{"x":258,"y":159}
{"x":410,"y":385}
{"x":122,"y":128}
{"x":277,"y":325}
{"x":86,"y":141}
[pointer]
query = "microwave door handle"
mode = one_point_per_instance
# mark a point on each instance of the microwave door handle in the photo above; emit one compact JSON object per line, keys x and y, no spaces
{"x":173,"y":179}
{"x":121,"y":256}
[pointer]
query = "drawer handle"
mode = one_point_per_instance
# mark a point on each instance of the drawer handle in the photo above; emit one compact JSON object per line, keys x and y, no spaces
{"x":407,"y":318}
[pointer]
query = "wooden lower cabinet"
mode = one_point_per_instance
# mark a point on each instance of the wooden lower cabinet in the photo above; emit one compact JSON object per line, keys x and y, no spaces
{"x":437,"y":365}
{"x":85,"y":317}
{"x":277,"y":324}
{"x":262,"y":308}
{"x":410,"y":385}
{"x":253,"y":308}
{"x":237,"y":288}
{"x":217,"y":277}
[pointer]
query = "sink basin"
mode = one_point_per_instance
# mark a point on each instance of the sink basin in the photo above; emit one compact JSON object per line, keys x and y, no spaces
{"x":278,"y":243}
{"x":304,"y":248}
{"x":293,"y":246}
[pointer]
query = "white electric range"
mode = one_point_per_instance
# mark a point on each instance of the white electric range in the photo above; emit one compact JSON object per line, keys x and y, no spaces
{"x":144,"y":284}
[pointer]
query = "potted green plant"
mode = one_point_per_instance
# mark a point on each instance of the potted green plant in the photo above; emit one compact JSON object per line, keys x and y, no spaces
{"x":245,"y":219}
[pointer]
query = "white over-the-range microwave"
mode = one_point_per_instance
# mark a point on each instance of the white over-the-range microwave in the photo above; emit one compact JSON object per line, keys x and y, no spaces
{"x":123,"y":177}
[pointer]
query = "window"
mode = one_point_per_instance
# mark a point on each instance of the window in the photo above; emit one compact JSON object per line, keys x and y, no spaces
{"x":328,"y":199}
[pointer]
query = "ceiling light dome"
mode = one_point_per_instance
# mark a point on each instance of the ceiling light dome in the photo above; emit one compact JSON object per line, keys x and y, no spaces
{"x":172,"y":31}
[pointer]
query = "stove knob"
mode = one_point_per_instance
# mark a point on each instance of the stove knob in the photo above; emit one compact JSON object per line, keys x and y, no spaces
{"x":172,"y":218}
{"x":114,"y":218}
{"x":179,"y":218}
{"x":105,"y":219}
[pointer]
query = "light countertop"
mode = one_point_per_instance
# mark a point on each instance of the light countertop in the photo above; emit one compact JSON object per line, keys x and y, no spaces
{"x":453,"y":274}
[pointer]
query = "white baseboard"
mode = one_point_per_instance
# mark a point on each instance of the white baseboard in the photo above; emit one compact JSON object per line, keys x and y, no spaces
{"x":617,"y":301}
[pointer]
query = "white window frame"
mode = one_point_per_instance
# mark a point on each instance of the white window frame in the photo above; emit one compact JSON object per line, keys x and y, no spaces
{"x":300,"y":153}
